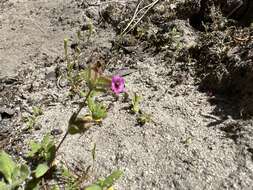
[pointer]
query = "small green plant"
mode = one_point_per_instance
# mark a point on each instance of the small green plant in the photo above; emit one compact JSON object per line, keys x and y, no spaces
{"x":71,"y":74}
{"x":71,"y":181}
{"x":96,"y":82}
{"x":142,"y":118}
{"x":91,"y":29}
{"x":44,"y":150}
{"x":74,"y":76}
{"x":176,"y":44}
{"x":107,"y":183}
{"x":14,"y":175}
{"x":88,"y":83}
{"x":42,"y":154}
{"x":32,"y":119}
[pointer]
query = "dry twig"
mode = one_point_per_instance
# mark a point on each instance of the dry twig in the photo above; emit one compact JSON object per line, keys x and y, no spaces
{"x":136,"y":13}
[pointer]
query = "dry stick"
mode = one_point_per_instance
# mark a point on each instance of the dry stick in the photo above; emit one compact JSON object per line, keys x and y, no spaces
{"x":135,"y":14}
{"x":44,"y":184}
{"x":108,"y":2}
{"x":76,"y":114}
{"x":235,"y":9}
{"x":149,"y":7}
{"x":151,"y":4}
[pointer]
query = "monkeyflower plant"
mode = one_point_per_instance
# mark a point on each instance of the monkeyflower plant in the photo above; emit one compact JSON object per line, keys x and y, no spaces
{"x":96,"y":82}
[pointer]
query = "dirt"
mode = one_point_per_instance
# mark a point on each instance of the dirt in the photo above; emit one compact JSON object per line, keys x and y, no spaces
{"x":195,"y":80}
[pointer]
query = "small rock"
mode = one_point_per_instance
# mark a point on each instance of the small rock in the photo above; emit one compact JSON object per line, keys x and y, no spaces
{"x":6,"y":113}
{"x":37,"y":126}
{"x":50,"y":76}
{"x":56,"y":132}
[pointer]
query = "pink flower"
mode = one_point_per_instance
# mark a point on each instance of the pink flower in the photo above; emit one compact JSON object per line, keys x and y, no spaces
{"x":118,"y":84}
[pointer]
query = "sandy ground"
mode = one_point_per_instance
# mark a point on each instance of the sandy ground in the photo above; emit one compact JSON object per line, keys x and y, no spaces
{"x":188,"y":146}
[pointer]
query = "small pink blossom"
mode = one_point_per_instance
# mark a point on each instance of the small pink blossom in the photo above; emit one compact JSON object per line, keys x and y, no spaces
{"x":118,"y":84}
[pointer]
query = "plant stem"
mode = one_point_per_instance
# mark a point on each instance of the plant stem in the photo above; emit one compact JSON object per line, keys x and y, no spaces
{"x":81,"y":106}
{"x":62,"y":140}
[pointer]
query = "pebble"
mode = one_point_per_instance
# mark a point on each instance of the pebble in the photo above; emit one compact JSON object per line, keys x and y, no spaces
{"x":56,"y":132}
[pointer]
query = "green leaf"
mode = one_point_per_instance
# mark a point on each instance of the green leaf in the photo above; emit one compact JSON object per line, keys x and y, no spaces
{"x":94,"y":187}
{"x":111,"y":179}
{"x":48,"y":148}
{"x":20,"y":174}
{"x":41,"y":170}
{"x":98,"y":111}
{"x":7,"y":166}
{"x":46,"y":141}
{"x":45,"y":150}
{"x":103,"y":82}
{"x":16,"y":181}
{"x":35,"y":147}
{"x":4,"y":186}
{"x":24,"y":171}
{"x":50,"y":153}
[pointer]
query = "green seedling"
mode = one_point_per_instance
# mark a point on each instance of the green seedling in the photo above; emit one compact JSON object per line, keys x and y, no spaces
{"x":72,"y":76}
{"x":43,"y":154}
{"x":94,"y":79}
{"x":70,"y":180}
{"x":143,"y":118}
{"x":175,"y":36}
{"x":66,"y":49}
{"x":74,"y":181}
{"x":37,"y":111}
{"x":32,"y":119}
{"x":135,"y":107}
{"x":79,"y":35}
{"x":106,"y":183}
{"x":187,"y":141}
{"x":91,"y":29}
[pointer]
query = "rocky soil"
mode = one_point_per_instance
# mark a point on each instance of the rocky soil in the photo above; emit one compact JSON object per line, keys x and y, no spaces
{"x":191,"y":61}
